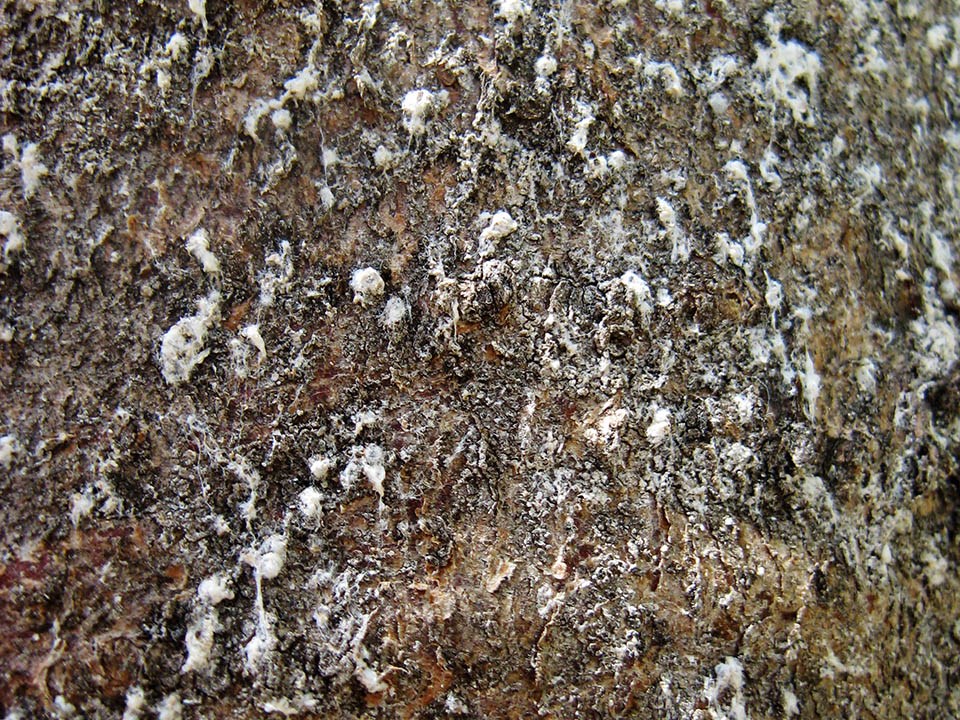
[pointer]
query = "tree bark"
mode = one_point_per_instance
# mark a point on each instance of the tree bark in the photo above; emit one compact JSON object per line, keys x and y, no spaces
{"x":470,"y":359}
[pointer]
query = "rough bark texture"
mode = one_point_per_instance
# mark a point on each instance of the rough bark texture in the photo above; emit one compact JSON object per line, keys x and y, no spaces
{"x":415,"y":359}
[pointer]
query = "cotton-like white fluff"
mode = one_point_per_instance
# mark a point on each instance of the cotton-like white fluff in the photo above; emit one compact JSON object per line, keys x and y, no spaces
{"x":367,"y":285}
{"x":182,"y":346}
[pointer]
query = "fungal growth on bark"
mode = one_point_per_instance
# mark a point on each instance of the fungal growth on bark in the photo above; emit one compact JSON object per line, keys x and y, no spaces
{"x":479,"y":359}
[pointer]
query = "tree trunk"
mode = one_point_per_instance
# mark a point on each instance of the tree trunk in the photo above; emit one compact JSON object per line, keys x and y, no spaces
{"x":497,"y":360}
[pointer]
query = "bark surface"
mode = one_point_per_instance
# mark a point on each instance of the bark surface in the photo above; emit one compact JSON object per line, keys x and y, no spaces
{"x":460,"y":359}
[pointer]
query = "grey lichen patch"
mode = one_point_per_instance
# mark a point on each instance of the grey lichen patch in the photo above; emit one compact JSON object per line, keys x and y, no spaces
{"x":484,"y":360}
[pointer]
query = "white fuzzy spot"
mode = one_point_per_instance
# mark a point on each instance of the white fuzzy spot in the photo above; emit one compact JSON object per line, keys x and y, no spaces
{"x":791,"y":706}
{"x":810,"y":381}
{"x":136,"y":703}
{"x":199,"y":8}
{"x":866,"y":377}
{"x":773,"y":294}
{"x":395,"y":313}
{"x":198,"y":245}
{"x":417,"y":106}
{"x":176,"y":46}
{"x":369,"y":678}
{"x":181,"y":349}
{"x":258,"y":648}
{"x":936,"y":568}
{"x":639,"y":293}
{"x":367,"y":285}
{"x":276,"y":275}
{"x":455,"y":706}
{"x":8,"y":448}
{"x":10,"y":145}
{"x":667,"y":73}
{"x":680,"y":245}
{"x":327,"y":198}
{"x":937,"y":37}
{"x":729,"y":675}
{"x":545,"y":66}
{"x":281,"y":119}
{"x":512,"y":10}
{"x":31,"y":170}
{"x":886,"y":555}
{"x":658,"y":430}
{"x":302,"y":83}
{"x":214,"y":590}
{"x":500,"y":225}
{"x":252,"y":334}
{"x":383,"y":158}
{"x":790,"y":71}
{"x":718,"y":103}
{"x":330,"y":158}
{"x":10,"y":229}
{"x":578,"y":140}
{"x":81,"y":505}
{"x":941,"y":253}
{"x":268,"y":560}
{"x":320,"y":468}
{"x":171,"y":708}
{"x":503,"y":571}
{"x":310,"y":501}
{"x":199,"y":641}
